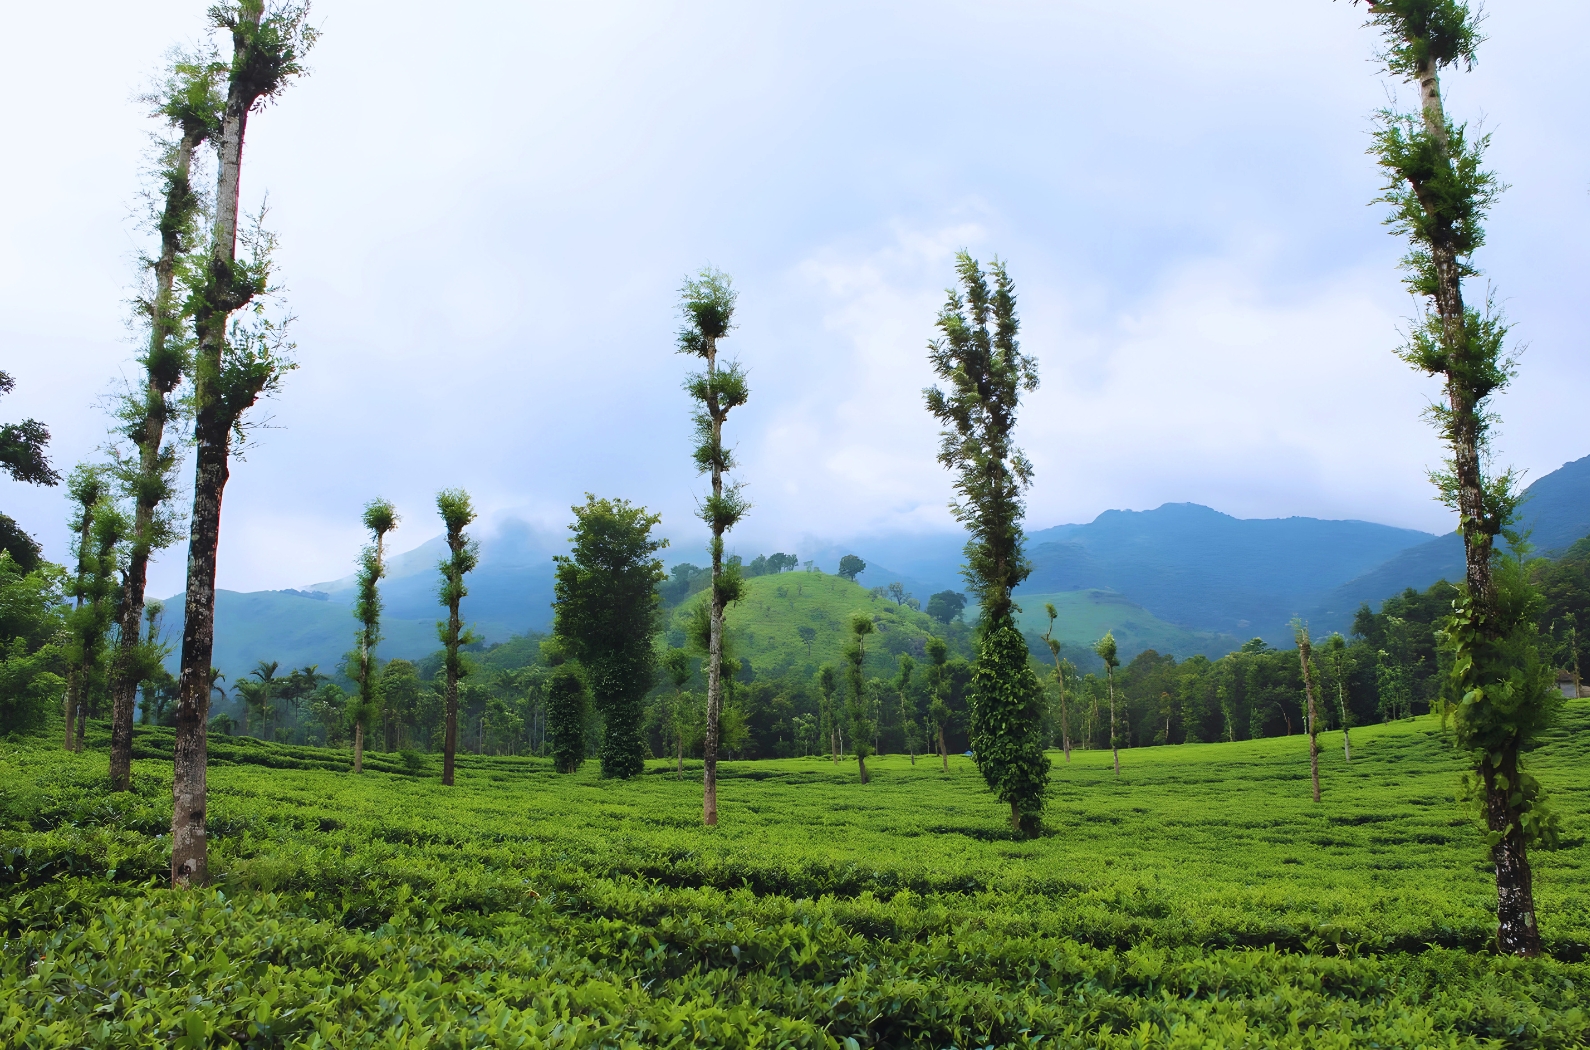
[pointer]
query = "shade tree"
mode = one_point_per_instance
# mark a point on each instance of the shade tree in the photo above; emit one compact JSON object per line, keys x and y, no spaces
{"x":1501,"y":689}
{"x":707,"y":302}
{"x":463,"y":554}
{"x":234,"y":364}
{"x":605,"y":611}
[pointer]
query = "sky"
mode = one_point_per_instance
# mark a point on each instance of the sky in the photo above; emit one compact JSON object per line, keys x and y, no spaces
{"x":485,"y":212}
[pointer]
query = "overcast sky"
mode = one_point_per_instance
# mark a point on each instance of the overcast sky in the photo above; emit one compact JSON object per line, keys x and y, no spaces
{"x":485,"y":212}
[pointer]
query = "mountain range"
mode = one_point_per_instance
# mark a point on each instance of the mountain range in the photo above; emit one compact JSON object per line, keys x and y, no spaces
{"x":1182,"y":578}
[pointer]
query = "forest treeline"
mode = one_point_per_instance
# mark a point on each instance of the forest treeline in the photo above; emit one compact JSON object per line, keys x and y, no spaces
{"x":1389,"y":666}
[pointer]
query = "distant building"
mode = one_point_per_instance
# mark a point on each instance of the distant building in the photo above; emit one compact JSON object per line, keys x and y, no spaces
{"x":1565,"y":684}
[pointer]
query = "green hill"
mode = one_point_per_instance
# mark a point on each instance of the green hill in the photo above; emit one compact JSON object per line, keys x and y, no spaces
{"x":1083,"y":617}
{"x":1200,"y":899}
{"x":764,"y":625}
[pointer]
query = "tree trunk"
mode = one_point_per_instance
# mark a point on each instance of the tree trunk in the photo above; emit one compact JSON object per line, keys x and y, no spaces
{"x":709,"y":748}
{"x":1516,"y":931}
{"x":212,"y":433}
{"x":189,"y":849}
{"x":1115,"y":751}
{"x":944,"y":752}
{"x":69,"y":709}
{"x":450,"y":739}
{"x":1303,"y":651}
{"x":1065,"y":723}
{"x":862,"y":761}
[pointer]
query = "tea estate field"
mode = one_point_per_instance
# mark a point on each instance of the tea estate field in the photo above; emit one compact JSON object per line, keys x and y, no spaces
{"x":1200,"y":901}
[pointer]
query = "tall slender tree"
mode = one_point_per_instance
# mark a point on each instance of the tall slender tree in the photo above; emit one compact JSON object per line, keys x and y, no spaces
{"x":980,"y":362}
{"x":86,"y":488}
{"x":827,"y":685}
{"x":678,"y":672}
{"x":707,"y":302}
{"x":1500,"y":687}
{"x":1106,"y":649}
{"x":380,"y":518}
{"x":463,"y":555}
{"x":233,"y":366}
{"x":91,"y":620}
{"x":902,"y":683}
{"x":939,"y":711}
{"x":189,"y":103}
{"x":605,"y":610}
{"x":1059,"y":678}
{"x":1305,"y":656}
{"x":861,"y":726}
{"x":1336,"y":656}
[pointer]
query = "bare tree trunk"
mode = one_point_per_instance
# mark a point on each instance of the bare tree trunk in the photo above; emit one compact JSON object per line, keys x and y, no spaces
{"x":944,"y":752}
{"x":862,"y":761}
{"x":1303,"y":652}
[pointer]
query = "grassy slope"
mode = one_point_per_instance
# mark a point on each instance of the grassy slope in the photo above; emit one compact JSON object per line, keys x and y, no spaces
{"x":387,"y":907}
{"x":1082,"y":618}
{"x":763,"y":624}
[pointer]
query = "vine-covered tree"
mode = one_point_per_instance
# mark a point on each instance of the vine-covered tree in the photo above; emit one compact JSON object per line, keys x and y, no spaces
{"x":1106,"y":649}
{"x":462,"y":557}
{"x":984,"y":371}
{"x":1500,"y":687}
{"x":707,"y":302}
{"x":605,"y":611}
{"x":1336,"y":659}
{"x":566,"y":706}
{"x":862,"y":727}
{"x":189,"y":103}
{"x":380,"y":518}
{"x":233,"y":366}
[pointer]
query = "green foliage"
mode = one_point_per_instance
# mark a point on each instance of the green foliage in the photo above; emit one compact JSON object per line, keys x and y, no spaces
{"x":851,"y":566}
{"x":32,"y":614}
{"x":946,"y":606}
{"x":566,"y":703}
{"x":986,"y":373}
{"x":379,"y":518}
{"x":463,"y":554}
{"x":605,"y":612}
{"x":1006,"y":710}
{"x":539,"y":909}
{"x":22,"y":447}
{"x":1502,"y":692}
{"x":857,"y":705}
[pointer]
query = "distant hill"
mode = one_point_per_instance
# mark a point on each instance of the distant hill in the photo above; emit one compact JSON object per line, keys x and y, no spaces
{"x":1555,"y":513}
{"x":1181,"y":578}
{"x":1209,"y":571}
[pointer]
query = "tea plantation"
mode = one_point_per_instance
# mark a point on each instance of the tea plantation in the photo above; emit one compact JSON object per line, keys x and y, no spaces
{"x":1200,"y":901}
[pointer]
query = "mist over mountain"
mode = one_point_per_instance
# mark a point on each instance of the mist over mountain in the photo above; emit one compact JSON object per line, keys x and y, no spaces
{"x":1182,"y":577}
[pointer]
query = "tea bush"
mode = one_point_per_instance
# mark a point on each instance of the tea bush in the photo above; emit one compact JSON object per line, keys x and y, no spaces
{"x":1200,"y":901}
